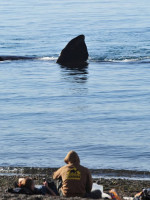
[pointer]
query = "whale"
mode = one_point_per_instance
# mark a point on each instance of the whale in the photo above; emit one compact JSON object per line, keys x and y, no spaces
{"x":5,"y":58}
{"x":75,"y":53}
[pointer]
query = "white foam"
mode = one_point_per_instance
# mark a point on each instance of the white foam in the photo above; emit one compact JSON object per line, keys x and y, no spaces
{"x":7,"y":170}
{"x":124,"y":60}
{"x":121,"y":60}
{"x":47,"y":58}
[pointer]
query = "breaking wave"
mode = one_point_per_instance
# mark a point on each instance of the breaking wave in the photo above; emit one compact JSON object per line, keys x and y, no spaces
{"x":121,"y":60}
{"x":48,"y":58}
{"x":96,"y":173}
{"x":145,"y":59}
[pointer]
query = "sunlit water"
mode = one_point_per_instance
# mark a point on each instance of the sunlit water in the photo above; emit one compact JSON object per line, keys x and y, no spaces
{"x":103,"y":111}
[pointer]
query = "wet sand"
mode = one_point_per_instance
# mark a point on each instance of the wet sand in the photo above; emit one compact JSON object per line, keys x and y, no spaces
{"x":124,"y":187}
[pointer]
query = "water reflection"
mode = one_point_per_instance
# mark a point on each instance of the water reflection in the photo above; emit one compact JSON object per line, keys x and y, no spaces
{"x":78,"y":74}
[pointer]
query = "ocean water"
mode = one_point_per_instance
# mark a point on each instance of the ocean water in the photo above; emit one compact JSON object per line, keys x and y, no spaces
{"x":102,"y":111}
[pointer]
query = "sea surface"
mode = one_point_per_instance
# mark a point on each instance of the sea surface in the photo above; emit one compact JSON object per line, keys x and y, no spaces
{"x":102,"y":111}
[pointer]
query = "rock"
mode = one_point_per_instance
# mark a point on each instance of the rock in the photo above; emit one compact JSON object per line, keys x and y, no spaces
{"x":75,"y":53}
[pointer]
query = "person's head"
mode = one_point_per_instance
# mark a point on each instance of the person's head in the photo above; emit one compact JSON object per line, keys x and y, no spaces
{"x":72,"y":158}
{"x":21,"y":182}
{"x":27,"y":183}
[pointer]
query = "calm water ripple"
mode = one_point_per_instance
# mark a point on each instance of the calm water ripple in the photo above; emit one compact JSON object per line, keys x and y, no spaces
{"x":102,"y":111}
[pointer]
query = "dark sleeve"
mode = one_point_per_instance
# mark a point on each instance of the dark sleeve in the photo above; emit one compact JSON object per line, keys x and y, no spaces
{"x":38,"y":191}
{"x":89,"y":182}
{"x":14,"y":190}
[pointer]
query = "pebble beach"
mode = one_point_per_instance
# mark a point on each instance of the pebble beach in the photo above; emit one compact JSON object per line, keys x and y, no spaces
{"x":125,"y":187}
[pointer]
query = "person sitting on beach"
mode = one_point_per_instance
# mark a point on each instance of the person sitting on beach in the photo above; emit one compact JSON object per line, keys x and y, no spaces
{"x":28,"y":187}
{"x":74,"y":179}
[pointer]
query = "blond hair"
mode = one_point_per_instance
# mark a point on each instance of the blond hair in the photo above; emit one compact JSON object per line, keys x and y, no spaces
{"x":25,"y":182}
